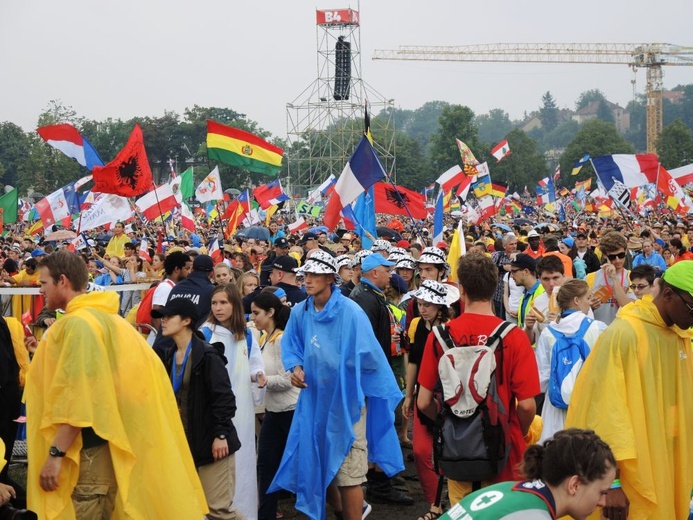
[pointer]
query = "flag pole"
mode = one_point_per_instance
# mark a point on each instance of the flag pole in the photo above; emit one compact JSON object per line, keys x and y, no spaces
{"x":221,"y":222}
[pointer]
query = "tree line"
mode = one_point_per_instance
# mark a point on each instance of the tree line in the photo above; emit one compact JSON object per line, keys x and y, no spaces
{"x":424,"y":137}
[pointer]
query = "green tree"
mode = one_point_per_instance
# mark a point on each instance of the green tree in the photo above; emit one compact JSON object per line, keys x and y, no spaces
{"x":548,"y":113}
{"x":412,"y":169}
{"x":595,"y":137}
{"x":56,"y":112}
{"x":494,"y":126}
{"x":524,"y":167}
{"x":675,"y":145}
{"x":456,"y":121}
{"x":604,"y":112}
{"x":560,"y":136}
{"x":14,"y":144}
{"x":588,"y":96}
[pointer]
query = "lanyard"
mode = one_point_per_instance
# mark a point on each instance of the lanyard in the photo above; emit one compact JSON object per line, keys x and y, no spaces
{"x":178,"y":378}
{"x":527,"y":297}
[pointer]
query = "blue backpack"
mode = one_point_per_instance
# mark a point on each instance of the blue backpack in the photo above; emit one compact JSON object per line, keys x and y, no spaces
{"x":567,"y":356}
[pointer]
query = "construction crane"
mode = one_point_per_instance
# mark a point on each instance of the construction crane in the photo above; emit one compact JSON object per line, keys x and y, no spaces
{"x":651,"y":56}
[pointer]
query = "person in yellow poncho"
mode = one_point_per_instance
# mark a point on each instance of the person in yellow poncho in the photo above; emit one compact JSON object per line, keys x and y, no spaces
{"x":116,"y":245}
{"x":101,"y":415}
{"x":635,"y":391}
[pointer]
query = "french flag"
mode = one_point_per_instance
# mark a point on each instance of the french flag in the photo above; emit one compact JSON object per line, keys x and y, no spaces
{"x":361,"y":172}
{"x":630,"y":170}
{"x":68,"y":140}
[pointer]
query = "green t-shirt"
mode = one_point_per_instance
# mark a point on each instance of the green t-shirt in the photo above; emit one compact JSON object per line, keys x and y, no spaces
{"x":530,"y":500}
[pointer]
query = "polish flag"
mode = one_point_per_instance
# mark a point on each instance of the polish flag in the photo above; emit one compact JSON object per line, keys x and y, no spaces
{"x":297,"y":226}
{"x":143,"y":253}
{"x":451,"y":178}
{"x":157,"y":202}
{"x":683,"y":175}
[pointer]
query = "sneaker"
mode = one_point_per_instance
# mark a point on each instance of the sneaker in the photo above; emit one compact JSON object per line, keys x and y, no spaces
{"x":367,"y":508}
{"x":386,"y":494}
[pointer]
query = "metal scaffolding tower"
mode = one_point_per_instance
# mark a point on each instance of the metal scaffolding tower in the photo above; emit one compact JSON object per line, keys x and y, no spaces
{"x":325,"y":121}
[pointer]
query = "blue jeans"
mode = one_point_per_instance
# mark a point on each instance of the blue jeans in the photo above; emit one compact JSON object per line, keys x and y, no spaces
{"x":273,"y":435}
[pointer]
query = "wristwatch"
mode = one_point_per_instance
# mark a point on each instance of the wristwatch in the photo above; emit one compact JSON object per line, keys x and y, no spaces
{"x":54,"y":451}
{"x":221,"y":437}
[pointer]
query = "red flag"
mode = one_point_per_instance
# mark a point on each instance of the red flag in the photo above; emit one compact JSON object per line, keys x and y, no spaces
{"x":387,"y":201}
{"x":128,"y":174}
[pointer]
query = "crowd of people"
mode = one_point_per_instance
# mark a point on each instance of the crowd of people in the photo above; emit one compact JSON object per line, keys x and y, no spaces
{"x":315,"y":363}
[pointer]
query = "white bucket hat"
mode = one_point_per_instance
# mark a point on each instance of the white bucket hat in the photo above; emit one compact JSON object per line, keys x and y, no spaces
{"x":396,"y":253}
{"x":381,"y":245}
{"x":435,"y":256}
{"x":406,"y":262}
{"x":432,"y":292}
{"x":320,"y":262}
{"x":358,"y":257}
{"x":342,"y":261}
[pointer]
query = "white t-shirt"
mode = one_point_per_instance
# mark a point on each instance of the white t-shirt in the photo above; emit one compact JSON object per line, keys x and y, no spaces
{"x":161,"y":292}
{"x":514,"y":292}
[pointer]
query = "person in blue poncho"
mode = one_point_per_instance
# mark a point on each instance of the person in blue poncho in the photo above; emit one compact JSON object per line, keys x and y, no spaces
{"x":330,"y":348}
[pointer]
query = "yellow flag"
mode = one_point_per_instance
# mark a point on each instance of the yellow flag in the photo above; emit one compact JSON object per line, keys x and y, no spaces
{"x":458,"y":248}
{"x":270,"y":211}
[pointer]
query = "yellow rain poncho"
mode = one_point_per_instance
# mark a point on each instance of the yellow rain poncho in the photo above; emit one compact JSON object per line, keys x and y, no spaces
{"x":93,"y":369}
{"x":635,"y":390}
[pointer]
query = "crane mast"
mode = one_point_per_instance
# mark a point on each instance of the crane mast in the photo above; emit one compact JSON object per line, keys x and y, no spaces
{"x":651,"y":56}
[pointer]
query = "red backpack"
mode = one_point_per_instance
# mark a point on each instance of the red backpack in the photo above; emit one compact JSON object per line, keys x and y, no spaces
{"x":144,"y":311}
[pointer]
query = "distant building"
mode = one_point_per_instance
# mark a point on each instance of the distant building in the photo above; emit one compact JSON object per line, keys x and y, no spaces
{"x":590,"y":111}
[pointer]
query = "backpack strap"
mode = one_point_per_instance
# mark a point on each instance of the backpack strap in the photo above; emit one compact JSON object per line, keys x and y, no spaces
{"x":443,"y":336}
{"x":495,"y":339}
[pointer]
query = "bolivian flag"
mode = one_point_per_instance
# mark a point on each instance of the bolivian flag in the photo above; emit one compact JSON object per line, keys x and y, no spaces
{"x":242,"y":149}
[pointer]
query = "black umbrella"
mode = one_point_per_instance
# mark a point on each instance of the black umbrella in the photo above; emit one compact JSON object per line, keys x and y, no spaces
{"x":389,"y":234}
{"x":522,"y":221}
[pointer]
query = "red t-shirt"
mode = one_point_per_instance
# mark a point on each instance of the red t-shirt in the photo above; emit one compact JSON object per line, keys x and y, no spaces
{"x":520,"y":374}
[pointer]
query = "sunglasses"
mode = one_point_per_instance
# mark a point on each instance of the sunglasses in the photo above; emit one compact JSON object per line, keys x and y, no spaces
{"x":620,"y":256}
{"x":688,"y":305}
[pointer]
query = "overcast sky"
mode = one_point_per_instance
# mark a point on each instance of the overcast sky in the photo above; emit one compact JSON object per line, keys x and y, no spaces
{"x":141,"y":57}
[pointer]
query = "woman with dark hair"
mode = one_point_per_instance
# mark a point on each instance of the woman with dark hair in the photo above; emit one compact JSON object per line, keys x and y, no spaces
{"x":242,"y":261}
{"x":206,"y":403}
{"x":569,"y":475}
{"x":679,"y":251}
{"x":433,"y":310}
{"x":270,"y":317}
{"x":226,"y":325}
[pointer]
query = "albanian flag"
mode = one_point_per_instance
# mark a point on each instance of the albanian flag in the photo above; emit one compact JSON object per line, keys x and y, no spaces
{"x":128,"y":175}
{"x":393,"y":200}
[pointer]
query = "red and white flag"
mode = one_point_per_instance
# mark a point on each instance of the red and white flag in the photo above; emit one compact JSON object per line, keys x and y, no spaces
{"x":501,"y":150}
{"x":157,"y":202}
{"x":297,"y":226}
{"x":186,"y":218}
{"x":144,"y":251}
{"x":451,"y":178}
{"x":53,"y":208}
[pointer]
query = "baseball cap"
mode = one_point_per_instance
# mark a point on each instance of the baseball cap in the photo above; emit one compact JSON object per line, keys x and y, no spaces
{"x":358,"y":257}
{"x":203,"y":263}
{"x":568,"y":241}
{"x":37,"y":252}
{"x":405,"y":244}
{"x":284,"y":263}
{"x":680,"y":275}
{"x":178,"y":307}
{"x":373,"y":261}
{"x":523,"y":261}
{"x":442,"y":245}
{"x":281,"y":242}
{"x":320,"y":262}
{"x":308,"y":236}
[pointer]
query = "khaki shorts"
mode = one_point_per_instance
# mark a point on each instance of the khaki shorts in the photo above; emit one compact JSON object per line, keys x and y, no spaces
{"x":355,"y":466}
